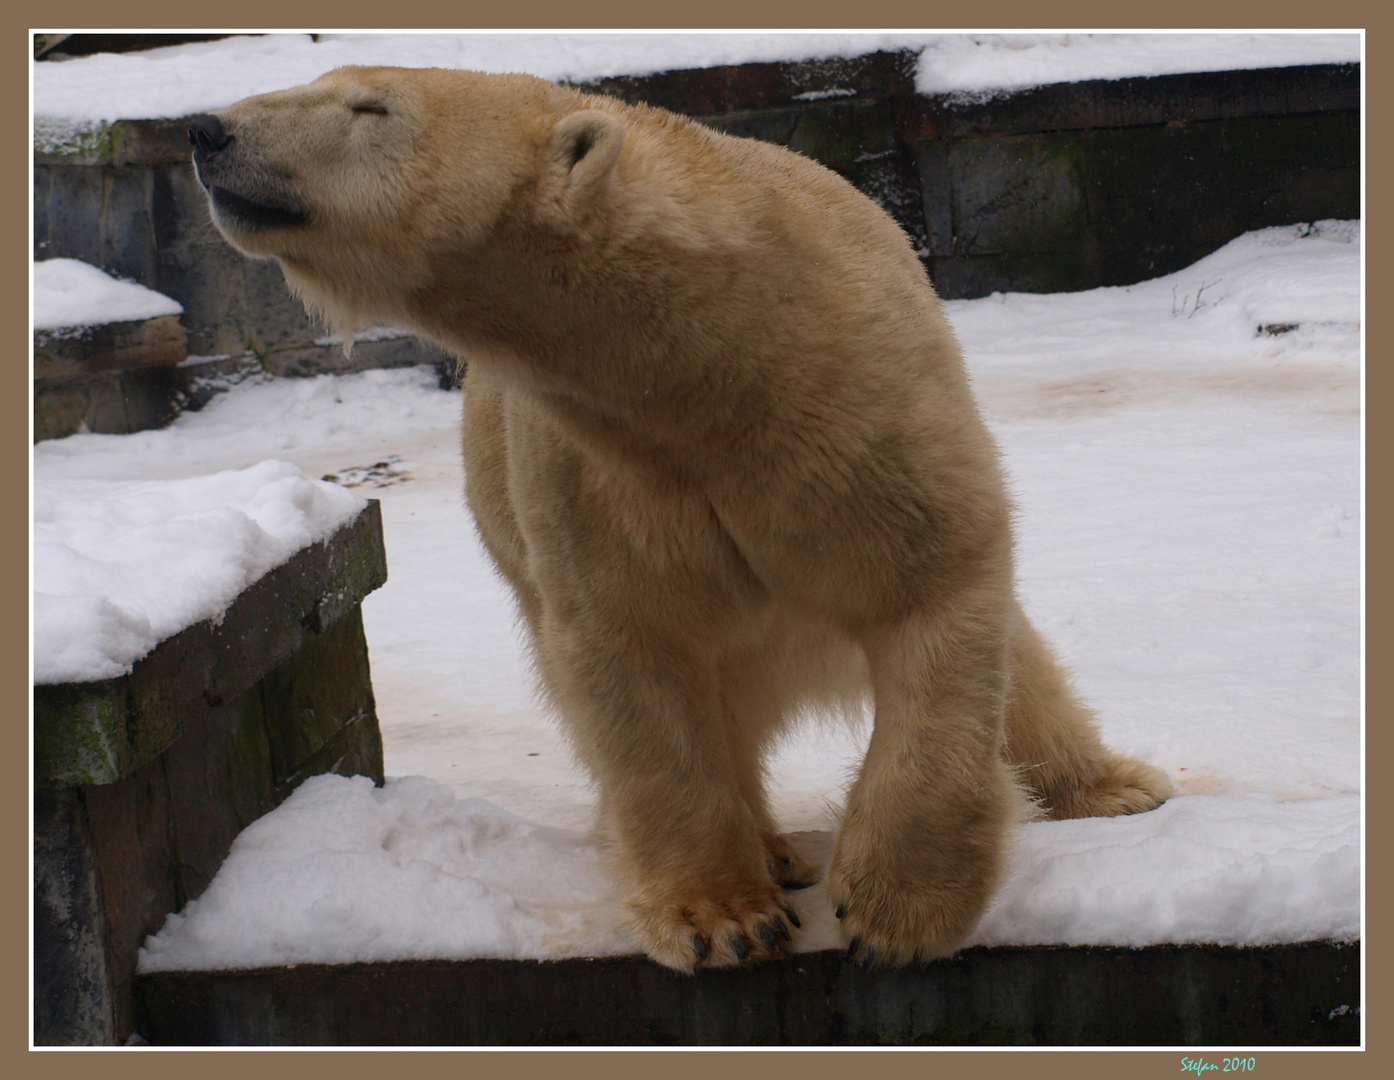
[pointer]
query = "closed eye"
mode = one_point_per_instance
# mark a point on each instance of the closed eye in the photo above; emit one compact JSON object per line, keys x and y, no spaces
{"x":370,"y":107}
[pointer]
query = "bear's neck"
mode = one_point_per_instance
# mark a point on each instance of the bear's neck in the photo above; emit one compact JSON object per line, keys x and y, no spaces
{"x":601,"y":335}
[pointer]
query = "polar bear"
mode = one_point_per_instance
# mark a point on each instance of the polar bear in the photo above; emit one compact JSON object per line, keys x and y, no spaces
{"x":719,"y":438}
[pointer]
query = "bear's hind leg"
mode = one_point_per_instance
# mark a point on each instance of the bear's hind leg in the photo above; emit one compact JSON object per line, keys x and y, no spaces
{"x":1053,"y":742}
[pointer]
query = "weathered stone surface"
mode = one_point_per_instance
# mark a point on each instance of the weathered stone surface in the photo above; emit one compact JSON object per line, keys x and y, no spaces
{"x":136,"y":852}
{"x":1164,"y":996}
{"x":1064,"y":210}
{"x":1142,"y":101}
{"x":102,"y":732}
{"x":72,"y":986}
{"x":752,"y":87}
{"x":407,"y":351}
{"x":115,"y":346}
{"x":306,"y":704}
{"x":107,"y":403}
{"x":219,"y":778}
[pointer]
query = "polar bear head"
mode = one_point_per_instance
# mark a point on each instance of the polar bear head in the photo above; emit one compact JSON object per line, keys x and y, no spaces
{"x":360,"y":183}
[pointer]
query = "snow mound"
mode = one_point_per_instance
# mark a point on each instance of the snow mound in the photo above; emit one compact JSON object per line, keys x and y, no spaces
{"x":1294,"y":287}
{"x":344,"y":872}
{"x":119,"y":566}
{"x":71,"y":293}
{"x":1239,"y":870}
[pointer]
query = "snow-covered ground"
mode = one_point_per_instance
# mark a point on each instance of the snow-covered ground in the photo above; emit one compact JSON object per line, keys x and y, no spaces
{"x":1185,"y":454}
{"x":186,"y":79}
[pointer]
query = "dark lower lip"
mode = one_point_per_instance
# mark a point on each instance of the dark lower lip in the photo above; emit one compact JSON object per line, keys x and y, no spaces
{"x":253,"y":215}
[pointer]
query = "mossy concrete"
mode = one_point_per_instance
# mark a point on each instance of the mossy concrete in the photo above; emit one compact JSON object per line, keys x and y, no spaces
{"x":101,"y":732}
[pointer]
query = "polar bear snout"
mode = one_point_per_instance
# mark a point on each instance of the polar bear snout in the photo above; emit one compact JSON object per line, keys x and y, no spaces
{"x":244,"y":195}
{"x":207,"y":135}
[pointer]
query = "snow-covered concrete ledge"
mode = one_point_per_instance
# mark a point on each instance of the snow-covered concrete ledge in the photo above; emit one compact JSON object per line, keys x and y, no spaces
{"x":198,"y":653}
{"x":105,"y":351}
{"x":153,"y":596}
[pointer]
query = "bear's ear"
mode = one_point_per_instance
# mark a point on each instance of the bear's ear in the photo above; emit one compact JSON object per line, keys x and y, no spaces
{"x":581,"y":161}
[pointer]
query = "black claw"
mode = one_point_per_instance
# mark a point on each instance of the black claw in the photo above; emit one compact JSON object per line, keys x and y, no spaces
{"x":793,"y":916}
{"x":738,"y":946}
{"x":783,"y":930}
{"x":767,"y":935}
{"x":841,"y":910}
{"x":852,"y":948}
{"x":699,"y":946}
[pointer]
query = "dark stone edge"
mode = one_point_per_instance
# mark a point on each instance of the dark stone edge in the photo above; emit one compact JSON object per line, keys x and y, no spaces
{"x":128,"y":721}
{"x":1303,"y":994}
{"x":1144,"y":100}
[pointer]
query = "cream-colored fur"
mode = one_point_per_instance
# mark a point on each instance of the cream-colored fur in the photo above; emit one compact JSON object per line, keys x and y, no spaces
{"x":719,"y":438}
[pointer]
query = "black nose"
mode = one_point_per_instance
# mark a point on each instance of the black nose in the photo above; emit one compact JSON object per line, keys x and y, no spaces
{"x":206,"y":134}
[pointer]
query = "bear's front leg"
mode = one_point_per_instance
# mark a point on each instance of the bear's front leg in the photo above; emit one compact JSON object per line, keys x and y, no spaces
{"x":644,"y":709}
{"x":923,"y":839}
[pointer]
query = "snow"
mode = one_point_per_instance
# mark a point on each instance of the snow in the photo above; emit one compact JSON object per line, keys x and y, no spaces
{"x":183,"y":80}
{"x":981,"y":66}
{"x":71,"y":293}
{"x":1189,"y":537}
{"x":121,"y":565}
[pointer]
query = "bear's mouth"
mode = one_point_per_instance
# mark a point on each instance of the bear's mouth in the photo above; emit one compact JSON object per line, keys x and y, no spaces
{"x":246,"y":214}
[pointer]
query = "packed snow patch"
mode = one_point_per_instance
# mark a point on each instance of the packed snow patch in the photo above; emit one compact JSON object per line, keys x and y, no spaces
{"x":72,"y":293}
{"x":119,"y":566}
{"x":183,"y":80}
{"x":345,"y":872}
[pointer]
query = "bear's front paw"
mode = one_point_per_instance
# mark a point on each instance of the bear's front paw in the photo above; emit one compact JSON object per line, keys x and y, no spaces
{"x":914,"y":895}
{"x":709,"y":931}
{"x":888,"y":921}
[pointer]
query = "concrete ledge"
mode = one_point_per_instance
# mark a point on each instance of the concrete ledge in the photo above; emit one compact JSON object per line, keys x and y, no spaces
{"x":84,"y":350}
{"x":102,"y":732}
{"x":1299,"y":995}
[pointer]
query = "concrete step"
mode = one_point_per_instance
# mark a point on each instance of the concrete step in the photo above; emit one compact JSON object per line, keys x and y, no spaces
{"x":1286,"y":995}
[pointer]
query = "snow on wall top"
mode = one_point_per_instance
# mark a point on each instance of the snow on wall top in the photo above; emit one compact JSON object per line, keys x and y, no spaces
{"x":121,"y":565}
{"x":69,"y":292}
{"x":186,"y":79}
